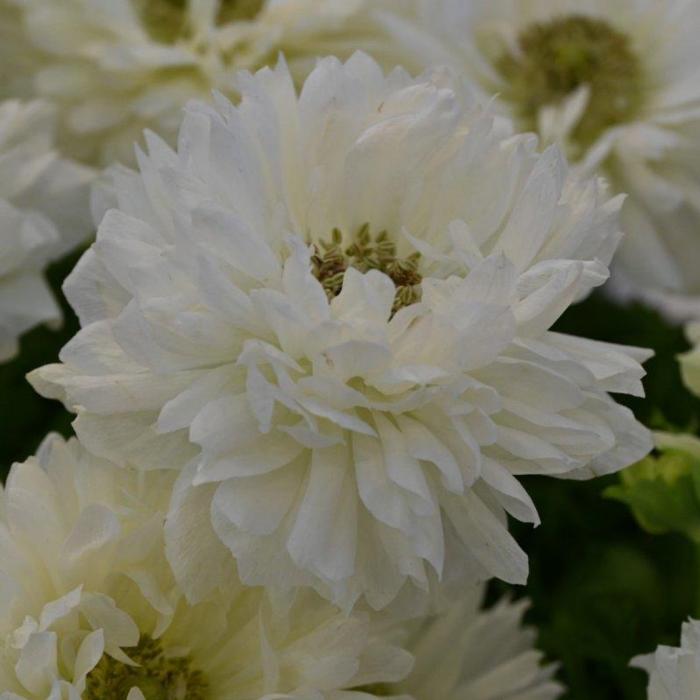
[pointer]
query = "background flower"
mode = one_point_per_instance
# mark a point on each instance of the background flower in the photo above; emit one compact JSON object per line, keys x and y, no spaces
{"x":617,"y":83}
{"x":116,"y":67}
{"x":338,"y":306}
{"x":43,"y":214}
{"x":674,"y":672}
{"x":76,"y":534}
{"x":466,"y":653}
{"x":90,"y":608}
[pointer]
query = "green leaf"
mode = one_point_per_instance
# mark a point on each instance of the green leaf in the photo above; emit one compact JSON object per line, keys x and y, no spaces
{"x":663,"y":492}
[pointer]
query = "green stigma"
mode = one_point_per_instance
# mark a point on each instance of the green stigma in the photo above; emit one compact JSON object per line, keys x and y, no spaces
{"x":366,"y":252}
{"x":158,"y":677}
{"x":555,"y":58}
{"x":167,"y":21}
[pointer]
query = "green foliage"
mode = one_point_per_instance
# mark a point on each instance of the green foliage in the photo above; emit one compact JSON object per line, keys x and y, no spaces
{"x":663,"y":493}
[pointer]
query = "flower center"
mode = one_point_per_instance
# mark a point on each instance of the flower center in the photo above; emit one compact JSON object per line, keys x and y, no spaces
{"x":364,"y":253}
{"x":555,"y":58}
{"x":158,"y":677}
{"x":239,"y":10}
{"x":167,"y":20}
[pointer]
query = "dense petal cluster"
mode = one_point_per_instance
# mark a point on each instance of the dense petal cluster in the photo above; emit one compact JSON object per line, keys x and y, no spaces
{"x":332,"y":313}
{"x":465,"y":654}
{"x":116,"y":67}
{"x":90,"y":609}
{"x":43,"y":213}
{"x":617,"y":83}
{"x":674,"y":672}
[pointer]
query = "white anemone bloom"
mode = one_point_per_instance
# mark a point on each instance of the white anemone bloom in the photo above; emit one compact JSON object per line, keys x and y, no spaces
{"x":43,"y":213}
{"x":674,"y":672}
{"x":90,"y":610}
{"x":616,"y":82}
{"x":118,"y":66}
{"x":470,"y":654}
{"x":332,"y":312}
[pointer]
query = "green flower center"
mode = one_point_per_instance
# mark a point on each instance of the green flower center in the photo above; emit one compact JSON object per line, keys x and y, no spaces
{"x":555,"y":58}
{"x":167,"y":20}
{"x":366,"y":252}
{"x":239,"y":10}
{"x":158,"y":677}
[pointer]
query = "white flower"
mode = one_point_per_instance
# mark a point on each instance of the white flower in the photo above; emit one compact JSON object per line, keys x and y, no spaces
{"x":618,"y":83}
{"x":690,"y":361}
{"x":470,"y":654}
{"x":352,"y":406}
{"x":43,"y":213}
{"x":90,"y":609}
{"x":674,"y":672}
{"x":118,"y":66}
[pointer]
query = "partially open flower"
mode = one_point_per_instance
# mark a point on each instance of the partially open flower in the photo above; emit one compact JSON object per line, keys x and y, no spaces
{"x":332,"y":314}
{"x":90,"y":610}
{"x":43,"y":214}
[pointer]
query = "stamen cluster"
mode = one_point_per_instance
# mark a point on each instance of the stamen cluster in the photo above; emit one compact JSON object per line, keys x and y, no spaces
{"x":156,"y":675}
{"x":367,"y":252}
{"x":555,"y":58}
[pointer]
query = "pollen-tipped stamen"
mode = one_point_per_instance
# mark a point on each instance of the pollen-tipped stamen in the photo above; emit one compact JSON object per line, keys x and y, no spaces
{"x":156,"y":675}
{"x":365,"y":253}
